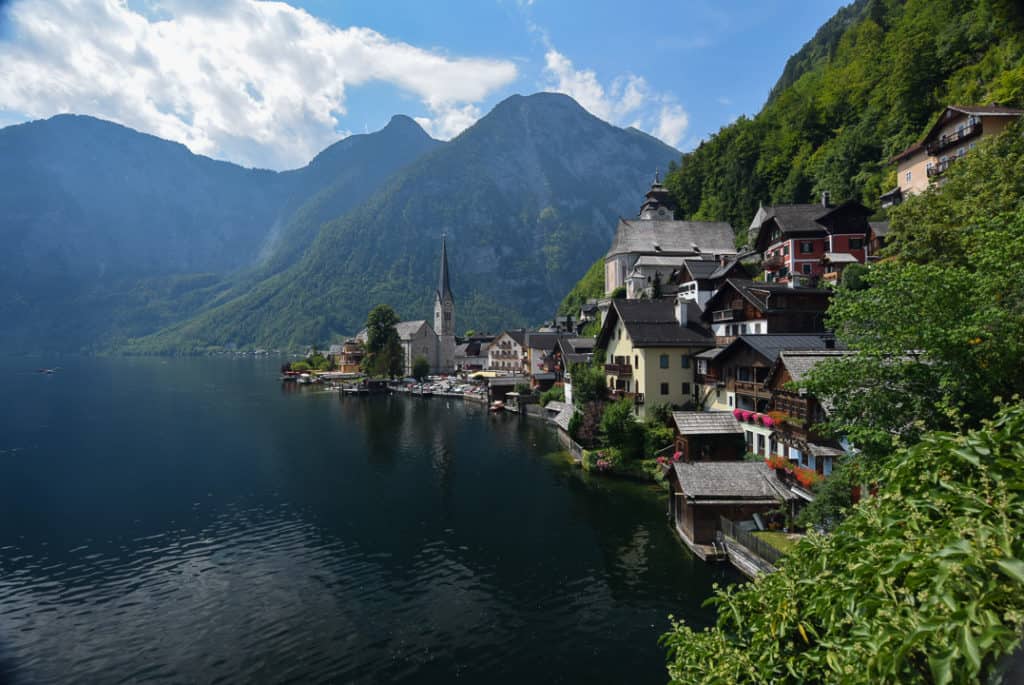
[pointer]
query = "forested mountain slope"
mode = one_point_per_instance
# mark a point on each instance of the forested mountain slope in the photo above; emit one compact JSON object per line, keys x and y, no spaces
{"x":529,"y":196}
{"x":864,"y":88}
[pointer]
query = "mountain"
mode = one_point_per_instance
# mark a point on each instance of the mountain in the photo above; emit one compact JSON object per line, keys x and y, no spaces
{"x":528,"y":196}
{"x":865,"y":87}
{"x":110,"y":233}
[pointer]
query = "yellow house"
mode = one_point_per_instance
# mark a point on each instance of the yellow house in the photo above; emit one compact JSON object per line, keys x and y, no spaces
{"x":955,"y":133}
{"x":649,"y":348}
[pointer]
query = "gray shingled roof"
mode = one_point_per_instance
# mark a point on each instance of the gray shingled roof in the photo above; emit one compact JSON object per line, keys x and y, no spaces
{"x":700,"y":269}
{"x":770,"y":346}
{"x":659,"y":261}
{"x":730,"y":480}
{"x":652,"y":323}
{"x":799,"y":362}
{"x":564,"y":416}
{"x":758,"y":293}
{"x":406,"y":329}
{"x":881,"y":228}
{"x":541,"y":341}
{"x":646,"y":236}
{"x":706,"y":422}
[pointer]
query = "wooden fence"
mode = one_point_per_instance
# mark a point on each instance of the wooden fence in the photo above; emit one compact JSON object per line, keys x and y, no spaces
{"x":753,"y":543}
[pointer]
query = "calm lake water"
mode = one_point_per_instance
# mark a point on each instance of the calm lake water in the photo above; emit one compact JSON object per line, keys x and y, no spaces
{"x":194,"y":521}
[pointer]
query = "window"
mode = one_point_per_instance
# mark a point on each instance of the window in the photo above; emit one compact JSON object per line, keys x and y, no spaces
{"x":856,"y":243}
{"x":686,"y":389}
{"x":636,"y":362}
{"x":685,"y":361}
{"x":806,"y":269}
{"x":702,"y":366}
{"x":730,"y":400}
{"x":664,"y":388}
{"x":907,"y":176}
{"x":806,"y":246}
{"x":743,"y":374}
{"x":663,"y":362}
{"x":760,"y":444}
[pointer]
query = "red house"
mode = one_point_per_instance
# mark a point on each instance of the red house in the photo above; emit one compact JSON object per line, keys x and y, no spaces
{"x":801,"y":240}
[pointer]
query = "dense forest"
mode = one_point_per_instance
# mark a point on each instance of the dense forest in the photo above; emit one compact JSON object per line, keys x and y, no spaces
{"x":864,"y":88}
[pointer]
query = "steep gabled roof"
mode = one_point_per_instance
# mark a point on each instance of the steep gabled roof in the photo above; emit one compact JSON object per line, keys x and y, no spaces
{"x":407,"y":329}
{"x":730,"y":480}
{"x":706,"y":423}
{"x":880,"y":228}
{"x":652,"y":323}
{"x":800,"y":362}
{"x":976,"y":110}
{"x":652,"y":236}
{"x":759,"y":294}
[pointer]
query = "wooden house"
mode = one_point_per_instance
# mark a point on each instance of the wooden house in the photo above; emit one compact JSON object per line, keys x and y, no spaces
{"x":708,"y":436}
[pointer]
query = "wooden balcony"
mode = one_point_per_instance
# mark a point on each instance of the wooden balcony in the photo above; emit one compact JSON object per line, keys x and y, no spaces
{"x":945,"y":142}
{"x":619,"y":370}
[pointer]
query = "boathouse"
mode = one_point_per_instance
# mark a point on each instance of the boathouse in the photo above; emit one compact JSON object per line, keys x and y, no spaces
{"x":702,"y":492}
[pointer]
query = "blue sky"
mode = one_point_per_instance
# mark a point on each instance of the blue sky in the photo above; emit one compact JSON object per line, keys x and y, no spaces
{"x":270,"y":84}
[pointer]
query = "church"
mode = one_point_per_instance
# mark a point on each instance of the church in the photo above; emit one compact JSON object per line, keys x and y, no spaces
{"x":434,"y":343}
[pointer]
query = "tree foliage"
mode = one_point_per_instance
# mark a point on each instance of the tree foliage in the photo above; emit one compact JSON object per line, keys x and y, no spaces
{"x":420,"y":368}
{"x":621,"y":429}
{"x":588,"y":384}
{"x":923,"y":583}
{"x":939,"y":334}
{"x":384,"y":355}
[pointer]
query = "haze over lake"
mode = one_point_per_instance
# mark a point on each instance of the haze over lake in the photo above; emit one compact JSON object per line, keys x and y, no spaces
{"x":191,"y":520}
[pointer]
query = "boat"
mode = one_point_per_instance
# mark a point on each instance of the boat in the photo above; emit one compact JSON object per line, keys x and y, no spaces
{"x":497,"y":406}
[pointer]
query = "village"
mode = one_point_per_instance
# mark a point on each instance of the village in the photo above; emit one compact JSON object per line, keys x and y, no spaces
{"x":691,"y":367}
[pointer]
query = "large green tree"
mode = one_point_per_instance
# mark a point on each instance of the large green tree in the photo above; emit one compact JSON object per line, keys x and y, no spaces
{"x":923,"y":583}
{"x":939,"y":332}
{"x":384,"y":356}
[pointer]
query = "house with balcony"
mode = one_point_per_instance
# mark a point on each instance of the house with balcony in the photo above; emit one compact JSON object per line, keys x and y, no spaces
{"x":744,"y":307}
{"x":736,"y":380}
{"x":956,"y":131}
{"x":507,"y":353}
{"x":649,"y":347}
{"x":796,"y":413}
{"x":795,"y":238}
{"x":661,"y":242}
{"x":348,"y":357}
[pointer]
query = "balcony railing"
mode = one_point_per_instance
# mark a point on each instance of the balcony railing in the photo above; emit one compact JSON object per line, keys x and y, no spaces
{"x":944,"y":142}
{"x":620,"y":370}
{"x":751,"y":388}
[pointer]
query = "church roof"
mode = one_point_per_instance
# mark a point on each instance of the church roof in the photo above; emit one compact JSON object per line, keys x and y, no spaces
{"x":653,"y":236}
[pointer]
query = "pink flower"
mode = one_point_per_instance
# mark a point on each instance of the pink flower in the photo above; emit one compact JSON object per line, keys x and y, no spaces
{"x":767,"y":420}
{"x":737,"y":413}
{"x":677,"y":456}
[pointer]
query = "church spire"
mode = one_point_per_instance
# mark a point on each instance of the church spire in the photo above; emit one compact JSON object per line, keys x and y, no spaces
{"x":444,"y":289}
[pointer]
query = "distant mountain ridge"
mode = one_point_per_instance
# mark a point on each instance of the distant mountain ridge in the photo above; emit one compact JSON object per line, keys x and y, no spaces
{"x":528,"y":196}
{"x":111,"y":233}
{"x":114,"y":235}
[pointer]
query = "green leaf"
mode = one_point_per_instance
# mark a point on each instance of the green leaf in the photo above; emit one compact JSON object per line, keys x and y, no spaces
{"x":1013,"y":568}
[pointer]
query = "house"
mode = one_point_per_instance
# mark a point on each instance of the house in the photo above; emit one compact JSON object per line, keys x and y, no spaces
{"x":348,"y":356}
{"x":708,"y":436}
{"x":649,"y":348}
{"x":507,"y":352}
{"x":876,"y":239}
{"x":703,"y":492}
{"x":471,"y":354}
{"x":698,"y":279}
{"x":538,"y":348}
{"x":795,"y":413}
{"x":656,"y":233}
{"x":795,"y":238}
{"x":735,"y":381}
{"x":954,"y":134}
{"x":744,"y":307}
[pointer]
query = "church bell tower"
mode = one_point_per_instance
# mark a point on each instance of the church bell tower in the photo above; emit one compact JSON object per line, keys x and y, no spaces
{"x":444,"y":316}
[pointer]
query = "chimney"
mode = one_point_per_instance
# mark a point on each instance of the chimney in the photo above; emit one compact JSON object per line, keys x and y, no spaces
{"x":681,"y":313}
{"x":825,"y":198}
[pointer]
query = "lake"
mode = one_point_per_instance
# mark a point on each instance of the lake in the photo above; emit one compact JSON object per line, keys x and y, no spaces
{"x":194,"y":520}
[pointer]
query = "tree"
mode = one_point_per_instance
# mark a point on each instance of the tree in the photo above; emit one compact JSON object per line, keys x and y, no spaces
{"x":922,"y":583}
{"x":420,"y":368}
{"x":588,"y":384}
{"x":619,"y":293}
{"x":853,"y":277}
{"x":939,"y":334}
{"x":384,"y":356}
{"x":621,"y":429}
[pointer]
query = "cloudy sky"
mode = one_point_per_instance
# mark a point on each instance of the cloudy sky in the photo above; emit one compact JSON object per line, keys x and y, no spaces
{"x":270,"y":84}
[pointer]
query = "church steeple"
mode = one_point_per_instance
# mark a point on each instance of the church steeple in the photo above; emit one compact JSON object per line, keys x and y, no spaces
{"x":444,"y":289}
{"x":444,"y":313}
{"x":658,"y":203}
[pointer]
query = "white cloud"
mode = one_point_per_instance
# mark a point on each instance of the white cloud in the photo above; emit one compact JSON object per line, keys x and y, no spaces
{"x":260,"y":83}
{"x":627,"y":101}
